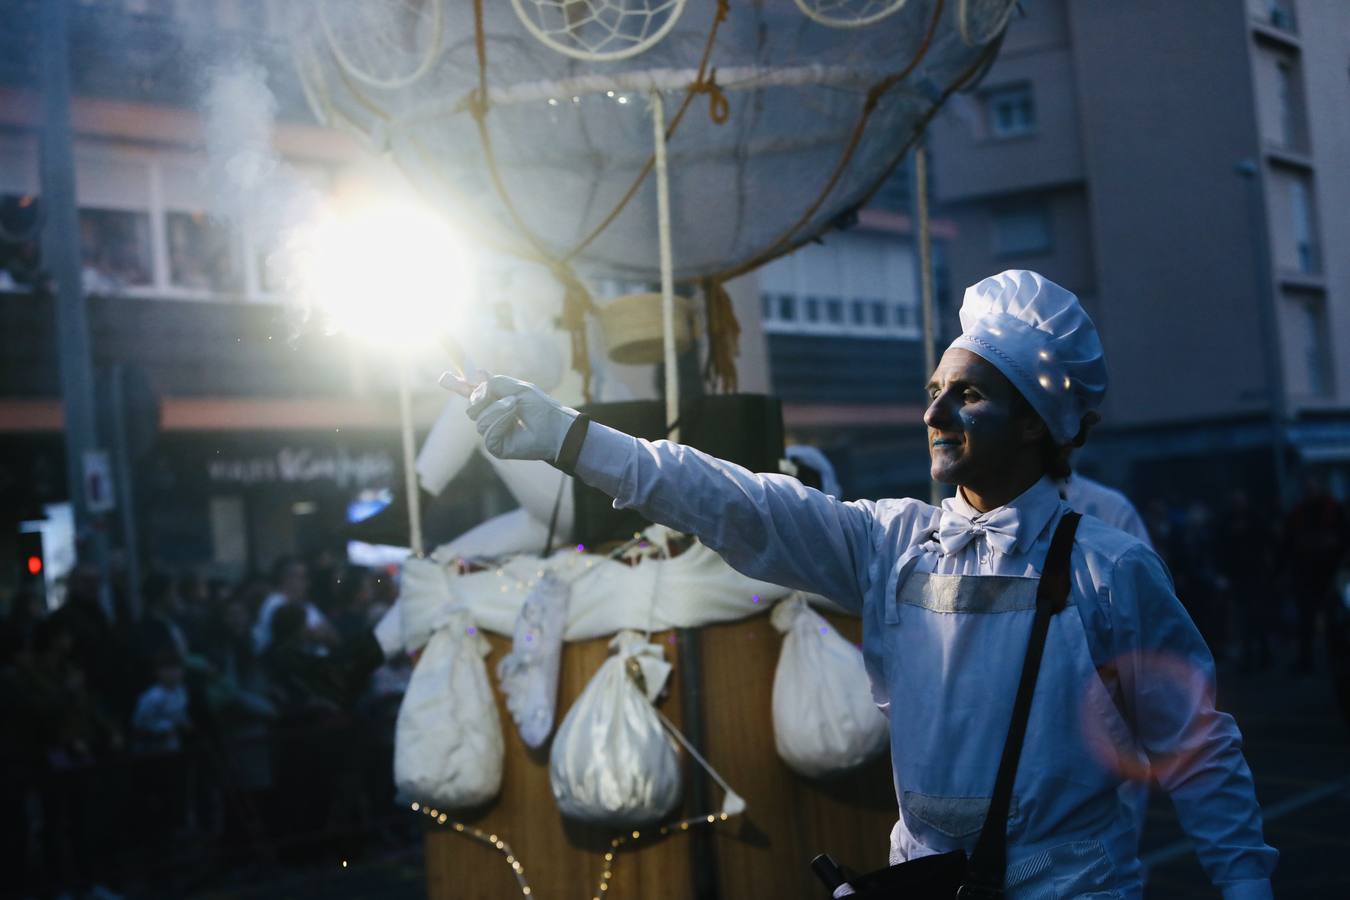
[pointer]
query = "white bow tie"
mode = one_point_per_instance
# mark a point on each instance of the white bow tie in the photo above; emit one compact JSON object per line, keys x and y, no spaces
{"x":999,"y":530}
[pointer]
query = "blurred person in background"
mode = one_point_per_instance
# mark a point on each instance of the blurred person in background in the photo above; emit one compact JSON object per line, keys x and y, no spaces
{"x":158,"y":632}
{"x":1092,"y":498}
{"x":354,"y":603}
{"x":1315,"y":534}
{"x":1246,"y":561}
{"x":1192,"y":557}
{"x":161,"y":722}
{"x":290,"y":584}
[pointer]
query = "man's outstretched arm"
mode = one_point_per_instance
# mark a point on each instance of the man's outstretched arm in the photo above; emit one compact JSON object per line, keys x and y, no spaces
{"x":769,"y":527}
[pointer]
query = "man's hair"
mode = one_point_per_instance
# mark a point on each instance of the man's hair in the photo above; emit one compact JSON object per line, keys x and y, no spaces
{"x":1055,"y":457}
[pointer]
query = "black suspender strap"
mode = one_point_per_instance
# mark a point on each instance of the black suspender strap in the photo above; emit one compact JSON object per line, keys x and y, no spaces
{"x":989,"y":862}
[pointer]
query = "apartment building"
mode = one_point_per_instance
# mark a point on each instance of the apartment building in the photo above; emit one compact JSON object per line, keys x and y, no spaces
{"x":1185,"y":168}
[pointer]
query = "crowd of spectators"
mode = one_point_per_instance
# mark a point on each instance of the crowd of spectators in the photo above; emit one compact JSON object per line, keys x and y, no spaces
{"x":225,"y":727}
{"x":1260,"y":587}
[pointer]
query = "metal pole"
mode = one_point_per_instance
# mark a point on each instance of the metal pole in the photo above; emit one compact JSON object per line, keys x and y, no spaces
{"x":125,"y":489}
{"x":925,"y":261}
{"x":667,"y":266}
{"x":1250,"y":169}
{"x":61,"y":261}
{"x":409,"y":460}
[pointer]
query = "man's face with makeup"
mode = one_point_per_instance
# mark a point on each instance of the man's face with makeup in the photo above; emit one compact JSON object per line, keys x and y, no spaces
{"x":977,"y":421}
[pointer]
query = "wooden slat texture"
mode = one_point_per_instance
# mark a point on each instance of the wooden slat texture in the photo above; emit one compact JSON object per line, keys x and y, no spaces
{"x":561,"y":859}
{"x":789,"y":820}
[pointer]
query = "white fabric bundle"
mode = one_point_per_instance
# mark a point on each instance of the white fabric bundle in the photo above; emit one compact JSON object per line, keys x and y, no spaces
{"x":695,"y":588}
{"x":824,"y":719}
{"x":529,"y":673}
{"x":448,"y":742}
{"x":612,"y":763}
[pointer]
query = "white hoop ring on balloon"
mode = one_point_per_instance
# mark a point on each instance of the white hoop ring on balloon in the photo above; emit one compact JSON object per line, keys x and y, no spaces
{"x":549,"y":39}
{"x":980,"y":21}
{"x":385,"y":84}
{"x":812,"y":11}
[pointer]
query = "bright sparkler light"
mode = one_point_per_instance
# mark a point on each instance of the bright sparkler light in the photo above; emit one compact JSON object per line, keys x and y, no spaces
{"x":393,"y":274}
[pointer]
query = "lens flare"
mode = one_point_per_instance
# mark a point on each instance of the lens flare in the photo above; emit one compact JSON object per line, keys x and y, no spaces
{"x":392,"y":274}
{"x":1167,"y":691}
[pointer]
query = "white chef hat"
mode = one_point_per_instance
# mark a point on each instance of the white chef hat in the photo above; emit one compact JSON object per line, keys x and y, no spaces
{"x":1039,"y":336}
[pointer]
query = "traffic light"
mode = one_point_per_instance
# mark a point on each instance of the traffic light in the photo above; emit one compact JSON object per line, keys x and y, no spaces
{"x":31,"y":559}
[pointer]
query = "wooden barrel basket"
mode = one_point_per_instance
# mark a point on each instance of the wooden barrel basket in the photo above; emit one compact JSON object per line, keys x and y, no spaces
{"x":763,"y":853}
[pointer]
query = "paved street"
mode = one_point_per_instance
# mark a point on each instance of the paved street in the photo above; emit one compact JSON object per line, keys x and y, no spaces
{"x":1299,"y":749}
{"x":1297,"y":744}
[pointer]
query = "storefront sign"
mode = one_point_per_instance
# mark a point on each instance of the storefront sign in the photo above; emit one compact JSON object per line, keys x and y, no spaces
{"x":303,"y":465}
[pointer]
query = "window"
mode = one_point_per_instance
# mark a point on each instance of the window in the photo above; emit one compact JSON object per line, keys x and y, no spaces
{"x":811,"y":306}
{"x":1021,"y":229}
{"x":1289,"y":103}
{"x":1010,"y":111}
{"x":1280,"y":14}
{"x":201,"y":253}
{"x":1300,"y":205}
{"x":849,"y":288}
{"x":115,"y":249}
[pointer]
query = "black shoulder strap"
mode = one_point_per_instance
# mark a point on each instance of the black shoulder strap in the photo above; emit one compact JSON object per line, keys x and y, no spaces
{"x":989,"y":862}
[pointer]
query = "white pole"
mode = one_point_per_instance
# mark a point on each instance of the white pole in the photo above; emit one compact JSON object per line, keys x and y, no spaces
{"x":667,"y":267}
{"x":409,"y":460}
{"x":921,"y":229}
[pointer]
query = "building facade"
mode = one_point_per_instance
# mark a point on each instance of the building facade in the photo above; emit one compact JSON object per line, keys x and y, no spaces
{"x":266,"y":437}
{"x":1184,"y":168}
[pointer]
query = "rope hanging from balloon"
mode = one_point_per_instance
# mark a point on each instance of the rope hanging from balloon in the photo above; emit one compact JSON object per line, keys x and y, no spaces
{"x":619,"y":29}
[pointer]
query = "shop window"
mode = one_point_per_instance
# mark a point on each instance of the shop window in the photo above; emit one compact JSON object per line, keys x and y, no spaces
{"x":115,"y":249}
{"x":201,"y":253}
{"x":1010,"y":111}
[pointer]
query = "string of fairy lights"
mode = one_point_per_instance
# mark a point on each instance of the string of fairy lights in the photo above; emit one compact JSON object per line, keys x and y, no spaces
{"x":441,"y":819}
{"x":496,"y":842}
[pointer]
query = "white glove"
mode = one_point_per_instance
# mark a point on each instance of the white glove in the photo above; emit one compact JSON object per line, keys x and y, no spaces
{"x":519,"y":421}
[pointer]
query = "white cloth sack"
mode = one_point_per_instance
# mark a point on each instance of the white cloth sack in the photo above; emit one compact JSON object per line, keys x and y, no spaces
{"x":529,"y":673}
{"x":612,"y":763}
{"x":824,"y":719}
{"x":695,"y":588}
{"x":448,"y":743}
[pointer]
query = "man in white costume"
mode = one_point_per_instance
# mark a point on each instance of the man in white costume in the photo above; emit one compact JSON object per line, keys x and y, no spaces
{"x":943,"y":594}
{"x":1092,"y":498}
